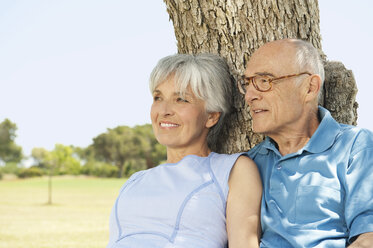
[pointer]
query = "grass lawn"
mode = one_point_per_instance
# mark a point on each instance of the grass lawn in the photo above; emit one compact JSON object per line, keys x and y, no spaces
{"x":77,"y":218}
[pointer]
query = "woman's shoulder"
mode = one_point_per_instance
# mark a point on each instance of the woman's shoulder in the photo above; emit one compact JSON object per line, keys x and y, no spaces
{"x":136,"y":175}
{"x":222,"y":158}
{"x":222,"y":164}
{"x":216,"y":155}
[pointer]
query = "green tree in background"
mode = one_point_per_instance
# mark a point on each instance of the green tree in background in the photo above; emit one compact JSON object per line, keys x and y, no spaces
{"x":60,"y":161}
{"x":9,"y":150}
{"x":130,"y":149}
{"x":116,"y":146}
{"x":41,"y":157}
{"x":65,"y":160}
{"x":119,"y":151}
{"x":153,"y":152}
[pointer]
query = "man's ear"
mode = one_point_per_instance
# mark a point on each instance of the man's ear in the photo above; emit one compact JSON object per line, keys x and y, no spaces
{"x":213,"y":118}
{"x":314,"y":87}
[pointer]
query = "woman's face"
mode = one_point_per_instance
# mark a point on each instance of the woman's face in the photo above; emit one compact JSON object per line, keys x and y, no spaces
{"x":179,"y":122}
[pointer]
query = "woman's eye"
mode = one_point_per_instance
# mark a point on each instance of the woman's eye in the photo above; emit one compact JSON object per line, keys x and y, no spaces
{"x":179,"y":99}
{"x":156,"y":98}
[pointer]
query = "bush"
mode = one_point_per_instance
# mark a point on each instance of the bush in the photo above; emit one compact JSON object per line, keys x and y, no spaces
{"x":133,"y":166}
{"x":30,"y":172}
{"x":11,"y":168}
{"x":108,"y":170}
{"x":99,"y":169}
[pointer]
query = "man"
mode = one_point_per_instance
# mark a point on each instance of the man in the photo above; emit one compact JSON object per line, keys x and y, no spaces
{"x":317,"y":174}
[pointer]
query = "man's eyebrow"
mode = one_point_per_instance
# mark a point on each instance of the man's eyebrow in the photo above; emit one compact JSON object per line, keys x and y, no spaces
{"x":260,"y":74}
{"x":264,"y":74}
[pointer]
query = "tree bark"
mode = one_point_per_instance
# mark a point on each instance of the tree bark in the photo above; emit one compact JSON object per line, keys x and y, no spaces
{"x":340,"y":93}
{"x":234,"y":29}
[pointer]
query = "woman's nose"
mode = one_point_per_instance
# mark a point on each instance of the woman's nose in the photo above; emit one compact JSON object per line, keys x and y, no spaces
{"x":167,"y":108}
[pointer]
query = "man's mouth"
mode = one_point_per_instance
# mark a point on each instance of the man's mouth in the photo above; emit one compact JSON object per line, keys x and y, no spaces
{"x":258,"y":111}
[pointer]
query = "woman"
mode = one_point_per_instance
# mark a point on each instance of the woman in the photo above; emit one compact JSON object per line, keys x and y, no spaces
{"x":198,"y":198}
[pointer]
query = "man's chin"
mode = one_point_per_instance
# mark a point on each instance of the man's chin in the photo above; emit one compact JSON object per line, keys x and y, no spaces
{"x":258,"y":130}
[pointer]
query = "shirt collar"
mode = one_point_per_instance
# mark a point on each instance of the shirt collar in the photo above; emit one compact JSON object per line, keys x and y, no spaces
{"x":325,"y":134}
{"x":268,"y":144}
{"x":321,"y":140}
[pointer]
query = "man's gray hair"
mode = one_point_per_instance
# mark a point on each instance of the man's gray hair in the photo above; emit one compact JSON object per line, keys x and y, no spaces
{"x":208,"y":77}
{"x":308,"y":58}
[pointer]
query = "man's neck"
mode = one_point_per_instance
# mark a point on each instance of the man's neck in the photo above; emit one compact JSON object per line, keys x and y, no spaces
{"x":291,"y":140}
{"x":288,"y":145}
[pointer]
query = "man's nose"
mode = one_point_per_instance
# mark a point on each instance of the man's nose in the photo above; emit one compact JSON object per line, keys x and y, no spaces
{"x":251,"y":94}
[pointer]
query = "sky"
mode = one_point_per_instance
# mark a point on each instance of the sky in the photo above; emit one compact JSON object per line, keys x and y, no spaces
{"x":71,"y":69}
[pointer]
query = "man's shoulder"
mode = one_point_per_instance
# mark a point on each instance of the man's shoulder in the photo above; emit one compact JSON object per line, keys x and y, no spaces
{"x":358,"y":133}
{"x":360,"y":138}
{"x":343,"y":130}
{"x":258,"y":148}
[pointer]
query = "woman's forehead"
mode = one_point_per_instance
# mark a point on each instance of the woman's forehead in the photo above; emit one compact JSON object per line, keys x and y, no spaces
{"x":173,"y":85}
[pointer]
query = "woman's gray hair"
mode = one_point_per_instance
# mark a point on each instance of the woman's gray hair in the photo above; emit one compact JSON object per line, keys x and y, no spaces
{"x":308,"y":58}
{"x":208,"y":77}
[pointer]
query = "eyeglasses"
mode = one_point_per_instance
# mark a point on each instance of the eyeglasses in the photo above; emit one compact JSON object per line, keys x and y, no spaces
{"x":262,"y":83}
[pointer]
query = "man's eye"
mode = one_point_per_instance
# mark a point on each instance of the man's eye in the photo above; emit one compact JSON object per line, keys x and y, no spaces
{"x":156,"y":98}
{"x":263,"y":80}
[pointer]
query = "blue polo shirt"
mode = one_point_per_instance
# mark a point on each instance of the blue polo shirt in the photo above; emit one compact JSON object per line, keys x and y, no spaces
{"x":322,"y":195}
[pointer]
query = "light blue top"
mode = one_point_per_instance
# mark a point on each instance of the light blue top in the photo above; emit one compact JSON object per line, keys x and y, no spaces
{"x":174,"y":205}
{"x":322,"y":195}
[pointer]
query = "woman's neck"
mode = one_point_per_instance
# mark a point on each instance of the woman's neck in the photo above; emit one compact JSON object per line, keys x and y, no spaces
{"x":175,"y":155}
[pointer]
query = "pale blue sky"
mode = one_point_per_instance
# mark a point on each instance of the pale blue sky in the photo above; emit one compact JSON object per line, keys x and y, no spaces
{"x":71,"y":69}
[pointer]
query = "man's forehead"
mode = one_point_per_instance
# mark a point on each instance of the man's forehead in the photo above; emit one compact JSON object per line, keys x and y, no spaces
{"x":272,"y":57}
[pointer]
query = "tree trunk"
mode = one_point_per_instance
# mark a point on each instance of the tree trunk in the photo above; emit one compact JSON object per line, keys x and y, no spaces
{"x":339,"y":93}
{"x":234,"y":29}
{"x":120,"y":165}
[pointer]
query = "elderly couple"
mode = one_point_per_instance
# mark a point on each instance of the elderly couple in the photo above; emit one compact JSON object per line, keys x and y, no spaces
{"x":308,"y":184}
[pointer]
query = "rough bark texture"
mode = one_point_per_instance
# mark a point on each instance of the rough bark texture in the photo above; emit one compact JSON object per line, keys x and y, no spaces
{"x":234,"y":29}
{"x":339,"y":93}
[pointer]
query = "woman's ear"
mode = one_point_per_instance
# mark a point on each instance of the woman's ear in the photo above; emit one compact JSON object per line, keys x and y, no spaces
{"x":213,"y":118}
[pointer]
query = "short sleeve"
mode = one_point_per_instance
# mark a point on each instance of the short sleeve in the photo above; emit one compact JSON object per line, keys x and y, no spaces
{"x":359,"y":186}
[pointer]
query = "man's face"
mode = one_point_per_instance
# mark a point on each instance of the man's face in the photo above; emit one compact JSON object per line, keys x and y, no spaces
{"x":278,"y":110}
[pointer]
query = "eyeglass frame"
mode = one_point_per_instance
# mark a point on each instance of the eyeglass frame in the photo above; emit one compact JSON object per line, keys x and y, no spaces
{"x":270,"y":80}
